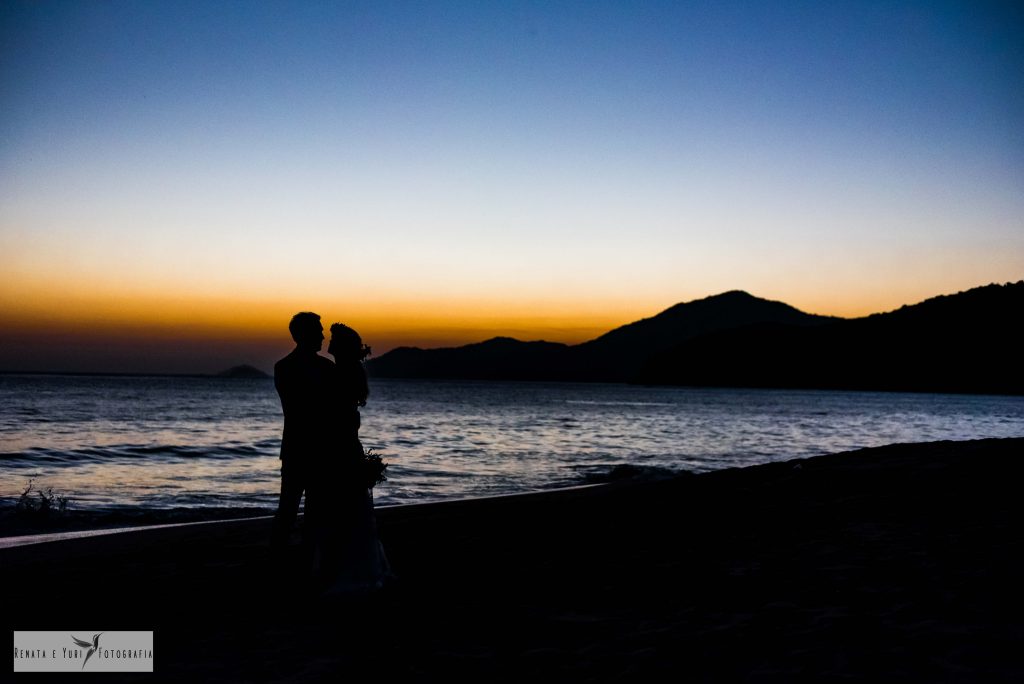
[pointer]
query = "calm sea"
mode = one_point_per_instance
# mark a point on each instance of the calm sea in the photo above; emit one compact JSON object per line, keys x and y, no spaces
{"x":113,"y":443}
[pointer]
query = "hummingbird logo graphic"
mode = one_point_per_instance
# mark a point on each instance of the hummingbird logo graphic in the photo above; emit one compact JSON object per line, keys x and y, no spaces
{"x":85,"y":644}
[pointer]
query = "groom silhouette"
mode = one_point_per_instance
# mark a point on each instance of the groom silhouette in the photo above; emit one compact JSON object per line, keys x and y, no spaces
{"x":302,"y":380}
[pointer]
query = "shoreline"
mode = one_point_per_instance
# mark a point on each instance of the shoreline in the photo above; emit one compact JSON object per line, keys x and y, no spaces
{"x":899,"y":562}
{"x":17,"y":540}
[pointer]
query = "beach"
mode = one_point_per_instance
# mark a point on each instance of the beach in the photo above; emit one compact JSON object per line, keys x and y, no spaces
{"x":891,"y":563}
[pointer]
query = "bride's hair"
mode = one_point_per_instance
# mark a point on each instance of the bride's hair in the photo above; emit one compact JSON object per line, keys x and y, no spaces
{"x":345,"y":338}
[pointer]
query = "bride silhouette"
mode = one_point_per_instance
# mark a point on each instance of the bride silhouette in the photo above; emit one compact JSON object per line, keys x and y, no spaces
{"x":348,"y":552}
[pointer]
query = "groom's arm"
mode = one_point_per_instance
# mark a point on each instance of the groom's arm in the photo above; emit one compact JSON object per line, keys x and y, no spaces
{"x":283,"y":383}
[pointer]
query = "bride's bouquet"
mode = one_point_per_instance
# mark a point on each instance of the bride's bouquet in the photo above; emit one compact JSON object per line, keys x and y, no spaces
{"x":373,"y":468}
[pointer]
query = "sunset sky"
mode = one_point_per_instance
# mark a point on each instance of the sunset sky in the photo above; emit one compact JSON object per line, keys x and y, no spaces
{"x":178,"y":178}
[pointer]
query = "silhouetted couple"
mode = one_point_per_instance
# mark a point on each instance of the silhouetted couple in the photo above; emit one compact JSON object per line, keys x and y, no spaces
{"x":321,"y":456}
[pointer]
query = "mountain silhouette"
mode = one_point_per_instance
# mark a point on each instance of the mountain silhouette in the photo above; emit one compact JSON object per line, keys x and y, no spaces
{"x":500,"y":358}
{"x":615,"y":356}
{"x":620,"y":353}
{"x":967,"y":342}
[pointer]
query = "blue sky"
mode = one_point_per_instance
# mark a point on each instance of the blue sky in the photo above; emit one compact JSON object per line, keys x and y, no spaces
{"x":546,"y":169}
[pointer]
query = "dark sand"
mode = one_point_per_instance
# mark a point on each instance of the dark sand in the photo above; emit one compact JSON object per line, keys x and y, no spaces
{"x":901,"y":563}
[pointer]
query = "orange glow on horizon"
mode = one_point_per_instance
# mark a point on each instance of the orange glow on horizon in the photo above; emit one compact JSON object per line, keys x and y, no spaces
{"x":200,"y":331}
{"x":48,"y":307}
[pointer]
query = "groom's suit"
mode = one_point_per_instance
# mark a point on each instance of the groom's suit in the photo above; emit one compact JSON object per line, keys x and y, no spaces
{"x":303,"y":381}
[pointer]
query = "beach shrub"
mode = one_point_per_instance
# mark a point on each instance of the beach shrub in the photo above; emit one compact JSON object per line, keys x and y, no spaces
{"x":39,"y":504}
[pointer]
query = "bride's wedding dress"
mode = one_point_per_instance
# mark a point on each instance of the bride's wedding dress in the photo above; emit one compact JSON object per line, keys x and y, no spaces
{"x":359,"y":564}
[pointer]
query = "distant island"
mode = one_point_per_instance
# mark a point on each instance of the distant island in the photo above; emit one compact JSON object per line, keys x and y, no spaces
{"x":244,"y":372}
{"x":966,"y":342}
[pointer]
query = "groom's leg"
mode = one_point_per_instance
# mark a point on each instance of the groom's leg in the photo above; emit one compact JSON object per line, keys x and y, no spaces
{"x":292,"y":485}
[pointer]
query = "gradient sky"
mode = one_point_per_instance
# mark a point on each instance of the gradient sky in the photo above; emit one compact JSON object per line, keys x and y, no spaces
{"x":178,"y":178}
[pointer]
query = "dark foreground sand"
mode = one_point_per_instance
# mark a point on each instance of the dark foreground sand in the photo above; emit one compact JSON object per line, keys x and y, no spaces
{"x":900,"y":563}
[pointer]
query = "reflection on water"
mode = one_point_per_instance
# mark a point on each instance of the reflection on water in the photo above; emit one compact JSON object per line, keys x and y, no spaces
{"x":194,"y":442}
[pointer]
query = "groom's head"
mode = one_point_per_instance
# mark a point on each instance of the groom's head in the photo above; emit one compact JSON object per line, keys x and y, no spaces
{"x":307,"y":331}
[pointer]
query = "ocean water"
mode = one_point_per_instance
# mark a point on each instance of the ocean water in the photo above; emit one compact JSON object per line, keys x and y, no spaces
{"x":124,"y":443}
